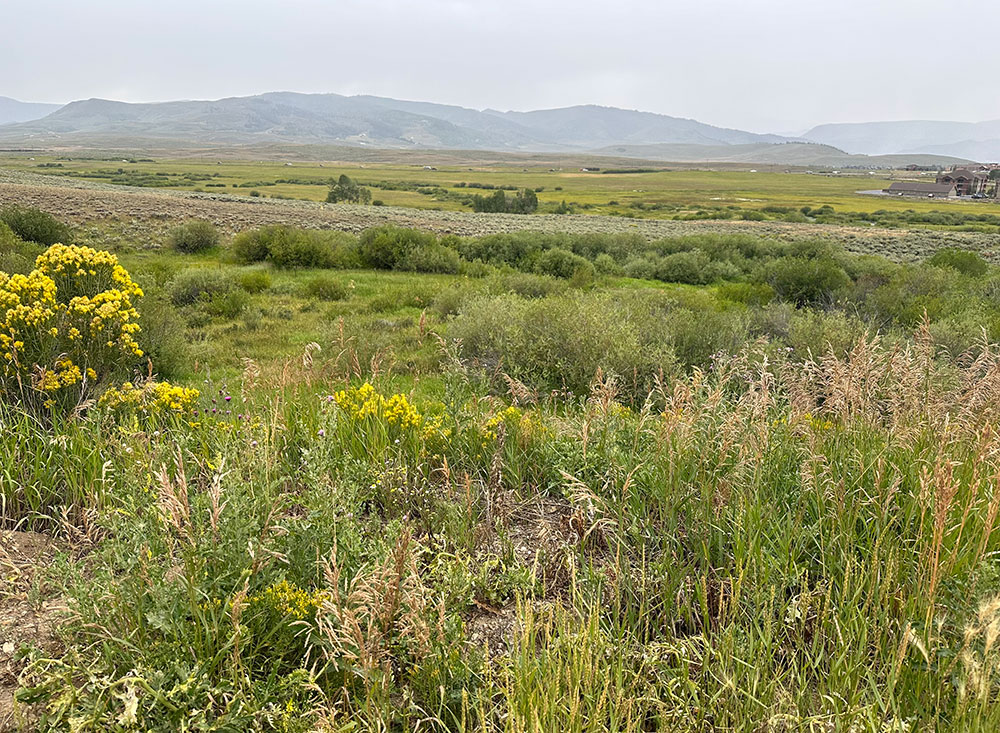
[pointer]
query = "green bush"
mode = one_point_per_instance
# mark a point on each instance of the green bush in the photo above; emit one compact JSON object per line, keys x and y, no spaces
{"x":312,"y":249}
{"x":199,"y":283}
{"x":253,"y":246}
{"x":560,"y":342}
{"x":747,"y":293}
{"x":323,"y":287}
{"x":255,"y":281}
{"x":966,"y":262}
{"x":525,"y":284}
{"x":805,"y":281}
{"x":606,"y":265}
{"x":227,"y":303}
{"x":16,"y":255}
{"x":291,"y":248}
{"x":35,"y":225}
{"x":386,"y":247}
{"x":431,"y":258}
{"x":559,"y":262}
{"x":683,"y":267}
{"x":162,"y":337}
{"x":194,"y":236}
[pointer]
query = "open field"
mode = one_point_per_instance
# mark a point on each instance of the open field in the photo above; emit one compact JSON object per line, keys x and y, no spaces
{"x":120,"y":207}
{"x":696,"y":480}
{"x":681,"y":191}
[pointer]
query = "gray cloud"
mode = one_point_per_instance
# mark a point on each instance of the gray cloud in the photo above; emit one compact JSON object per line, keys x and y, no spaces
{"x":765,"y":65}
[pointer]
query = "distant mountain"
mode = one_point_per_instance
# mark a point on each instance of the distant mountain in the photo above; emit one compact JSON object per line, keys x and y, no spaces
{"x":289,"y":118}
{"x":791,"y":154}
{"x":975,"y":140}
{"x":590,"y":126}
{"x":12,"y":110}
{"x":366,"y":120}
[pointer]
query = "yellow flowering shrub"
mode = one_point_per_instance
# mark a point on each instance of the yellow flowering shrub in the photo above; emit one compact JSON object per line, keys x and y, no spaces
{"x":361,"y":403}
{"x":151,"y":398}
{"x":66,"y":326}
{"x":372,"y":422}
{"x":289,"y":600}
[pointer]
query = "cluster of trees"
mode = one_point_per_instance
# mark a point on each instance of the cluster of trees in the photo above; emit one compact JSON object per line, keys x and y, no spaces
{"x":523,"y":202}
{"x":347,"y":190}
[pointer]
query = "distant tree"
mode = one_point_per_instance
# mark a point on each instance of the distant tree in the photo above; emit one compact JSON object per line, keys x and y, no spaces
{"x":523,"y":202}
{"x":346,"y":189}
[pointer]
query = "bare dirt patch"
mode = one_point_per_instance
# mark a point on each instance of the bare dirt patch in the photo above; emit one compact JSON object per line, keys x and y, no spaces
{"x":25,"y":619}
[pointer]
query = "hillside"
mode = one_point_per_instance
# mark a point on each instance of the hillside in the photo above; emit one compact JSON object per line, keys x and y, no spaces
{"x":791,"y":154}
{"x":976,"y":140}
{"x":12,"y":110}
{"x":364,"y":120}
{"x":290,"y":118}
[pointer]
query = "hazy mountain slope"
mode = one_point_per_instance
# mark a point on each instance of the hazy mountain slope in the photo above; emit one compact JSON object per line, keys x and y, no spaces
{"x":593,"y":126}
{"x":275,"y":117}
{"x":791,"y":154}
{"x":333,"y":118}
{"x":379,"y":122}
{"x":11,"y":110}
{"x":987,"y":151}
{"x":875,"y":138}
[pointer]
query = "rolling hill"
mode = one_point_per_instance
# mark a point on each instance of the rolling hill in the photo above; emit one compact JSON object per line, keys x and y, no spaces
{"x":974,"y":140}
{"x":290,"y":118}
{"x":790,"y":154}
{"x":11,"y":110}
{"x":366,"y":120}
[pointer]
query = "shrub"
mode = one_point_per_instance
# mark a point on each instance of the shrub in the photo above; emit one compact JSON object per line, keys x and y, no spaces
{"x":386,"y":247}
{"x":255,"y":281}
{"x":323,"y":287}
{"x":683,"y":267}
{"x":162,"y":338}
{"x":431,"y":258}
{"x":34,"y":225}
{"x":966,"y":262}
{"x":253,"y":246}
{"x":68,"y":326}
{"x":199,"y":283}
{"x":228,"y":303}
{"x":747,"y":293}
{"x":290,"y":247}
{"x":804,"y":281}
{"x":559,"y":262}
{"x":16,"y":255}
{"x":194,"y":236}
{"x":606,"y":265}
{"x":525,"y":284}
{"x":560,"y":342}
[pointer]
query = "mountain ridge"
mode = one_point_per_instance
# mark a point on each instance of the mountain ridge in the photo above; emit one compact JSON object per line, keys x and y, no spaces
{"x":14,"y":110}
{"x":369,"y":120}
{"x":284,"y":117}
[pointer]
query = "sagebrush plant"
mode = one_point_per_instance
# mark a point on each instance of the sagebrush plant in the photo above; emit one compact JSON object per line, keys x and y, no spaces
{"x":194,"y":236}
{"x":68,"y":326}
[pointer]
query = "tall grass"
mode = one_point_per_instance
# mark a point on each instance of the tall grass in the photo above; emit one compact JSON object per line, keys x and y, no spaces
{"x":766,"y":545}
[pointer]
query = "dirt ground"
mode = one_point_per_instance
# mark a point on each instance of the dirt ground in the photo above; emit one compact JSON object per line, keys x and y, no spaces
{"x":25,"y":619}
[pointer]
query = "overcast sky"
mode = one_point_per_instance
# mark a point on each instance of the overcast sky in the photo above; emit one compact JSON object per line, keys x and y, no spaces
{"x":762,"y":65}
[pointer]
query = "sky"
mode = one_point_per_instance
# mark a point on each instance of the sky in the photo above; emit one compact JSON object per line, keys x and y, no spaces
{"x":762,"y":65}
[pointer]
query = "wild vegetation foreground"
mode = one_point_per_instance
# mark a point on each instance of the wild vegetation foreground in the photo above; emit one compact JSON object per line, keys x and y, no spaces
{"x":527,"y":482}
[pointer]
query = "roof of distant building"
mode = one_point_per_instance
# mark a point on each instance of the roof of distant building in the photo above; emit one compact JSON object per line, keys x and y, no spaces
{"x":926,"y":188}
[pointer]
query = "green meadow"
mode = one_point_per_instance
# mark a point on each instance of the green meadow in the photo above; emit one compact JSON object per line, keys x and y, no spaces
{"x":680,"y":192}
